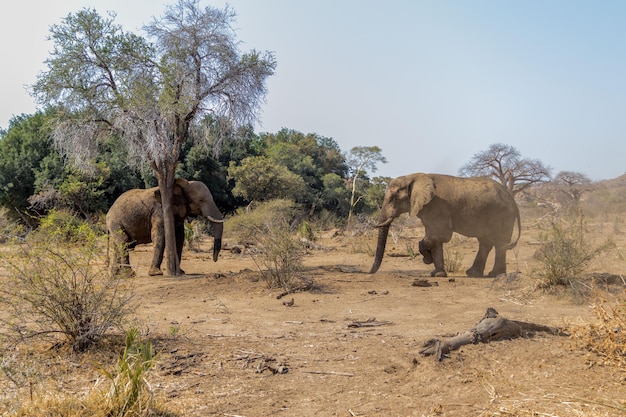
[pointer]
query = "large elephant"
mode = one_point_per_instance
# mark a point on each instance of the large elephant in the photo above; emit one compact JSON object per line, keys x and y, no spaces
{"x":474,"y":207}
{"x":136,"y":217}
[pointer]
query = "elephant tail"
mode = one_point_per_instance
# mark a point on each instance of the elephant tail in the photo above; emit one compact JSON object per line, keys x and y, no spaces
{"x":519,"y":230}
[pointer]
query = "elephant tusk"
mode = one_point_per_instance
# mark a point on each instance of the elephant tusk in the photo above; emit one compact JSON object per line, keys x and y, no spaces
{"x":385,"y":223}
{"x":214,"y":220}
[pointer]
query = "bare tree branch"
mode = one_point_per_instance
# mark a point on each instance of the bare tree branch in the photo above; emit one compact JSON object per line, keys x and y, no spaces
{"x":505,"y":164}
{"x":150,"y":91}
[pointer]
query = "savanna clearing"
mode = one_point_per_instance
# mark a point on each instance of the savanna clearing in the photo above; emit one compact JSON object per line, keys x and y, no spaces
{"x":349,"y":343}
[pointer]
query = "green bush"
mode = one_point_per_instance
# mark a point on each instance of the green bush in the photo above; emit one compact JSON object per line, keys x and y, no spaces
{"x":306,"y":231}
{"x":64,"y":227}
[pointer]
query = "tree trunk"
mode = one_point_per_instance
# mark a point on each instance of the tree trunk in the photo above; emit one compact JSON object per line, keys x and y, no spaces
{"x":166,"y":186}
{"x":491,"y":327}
{"x":352,"y":204}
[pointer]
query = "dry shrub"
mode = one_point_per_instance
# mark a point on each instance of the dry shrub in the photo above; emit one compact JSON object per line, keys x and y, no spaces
{"x":195,"y":231}
{"x":452,"y":260}
{"x":362,"y":244}
{"x":269,"y":230}
{"x":360,"y":225}
{"x":10,"y":228}
{"x":57,"y":283}
{"x":565,"y":254}
{"x":452,"y":254}
{"x":607,"y":337}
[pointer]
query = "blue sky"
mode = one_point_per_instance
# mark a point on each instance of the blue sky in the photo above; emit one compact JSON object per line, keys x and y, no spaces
{"x":430,"y":82}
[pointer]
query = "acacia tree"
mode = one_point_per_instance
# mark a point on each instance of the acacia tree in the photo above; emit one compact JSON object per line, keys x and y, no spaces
{"x":360,"y":160}
{"x":505,"y":164}
{"x":572,"y":185}
{"x":150,"y":91}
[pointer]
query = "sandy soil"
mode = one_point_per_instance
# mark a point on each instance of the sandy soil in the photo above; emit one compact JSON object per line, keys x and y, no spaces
{"x":230,"y":347}
{"x":238,"y":350}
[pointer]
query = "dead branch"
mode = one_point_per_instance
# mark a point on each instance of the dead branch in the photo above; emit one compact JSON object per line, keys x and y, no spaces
{"x":300,"y":288}
{"x":329,"y":373}
{"x":369,"y":323}
{"x":490,"y":328}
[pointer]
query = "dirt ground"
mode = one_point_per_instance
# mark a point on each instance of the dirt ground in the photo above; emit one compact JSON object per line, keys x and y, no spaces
{"x":235,"y":349}
{"x":230,"y":347}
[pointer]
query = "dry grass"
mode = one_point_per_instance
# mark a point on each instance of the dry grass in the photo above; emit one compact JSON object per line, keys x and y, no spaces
{"x":606,"y":338}
{"x":47,"y":382}
{"x":40,"y":381}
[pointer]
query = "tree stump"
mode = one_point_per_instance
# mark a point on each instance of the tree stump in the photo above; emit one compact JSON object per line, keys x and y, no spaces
{"x":491,"y":327}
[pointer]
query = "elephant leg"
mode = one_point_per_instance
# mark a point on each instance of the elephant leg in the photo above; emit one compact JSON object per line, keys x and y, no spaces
{"x":115,"y":259}
{"x":425,"y":251}
{"x":499,"y":266}
{"x":120,"y":261}
{"x":436,"y":251}
{"x":158,"y":240}
{"x":124,"y":258}
{"x":477,"y":270}
{"x":180,"y":242}
{"x":438,"y":228}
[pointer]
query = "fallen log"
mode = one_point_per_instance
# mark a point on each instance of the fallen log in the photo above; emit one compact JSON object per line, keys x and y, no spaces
{"x":490,"y":328}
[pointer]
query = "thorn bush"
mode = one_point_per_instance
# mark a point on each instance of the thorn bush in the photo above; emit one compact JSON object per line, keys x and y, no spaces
{"x":270,"y":230}
{"x":57,"y":283}
{"x":565,"y":254}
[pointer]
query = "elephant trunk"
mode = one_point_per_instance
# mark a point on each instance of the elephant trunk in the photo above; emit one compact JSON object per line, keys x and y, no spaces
{"x":218,"y":229}
{"x":383,"y":231}
{"x":216,"y":218}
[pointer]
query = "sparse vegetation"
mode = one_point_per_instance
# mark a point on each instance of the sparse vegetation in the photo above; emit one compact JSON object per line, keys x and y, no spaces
{"x":196,"y":338}
{"x":452,"y":260}
{"x":194,"y":231}
{"x":57,"y":283}
{"x":130,"y":393}
{"x":269,"y":230}
{"x":565,"y":254}
{"x":607,"y":337}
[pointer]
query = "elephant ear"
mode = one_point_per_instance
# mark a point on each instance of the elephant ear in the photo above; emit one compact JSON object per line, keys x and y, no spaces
{"x":180,"y":201}
{"x":422,"y":190}
{"x":181,"y":182}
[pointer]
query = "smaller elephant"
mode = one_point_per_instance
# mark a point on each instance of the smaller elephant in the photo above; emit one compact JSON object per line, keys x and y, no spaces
{"x":136,"y":217}
{"x":474,"y":207}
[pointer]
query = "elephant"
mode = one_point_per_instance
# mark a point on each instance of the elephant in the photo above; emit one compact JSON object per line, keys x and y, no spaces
{"x":136,"y":217}
{"x":475,"y":207}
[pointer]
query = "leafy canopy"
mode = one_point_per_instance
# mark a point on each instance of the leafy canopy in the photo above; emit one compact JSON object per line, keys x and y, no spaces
{"x":22,"y":149}
{"x":150,"y":91}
